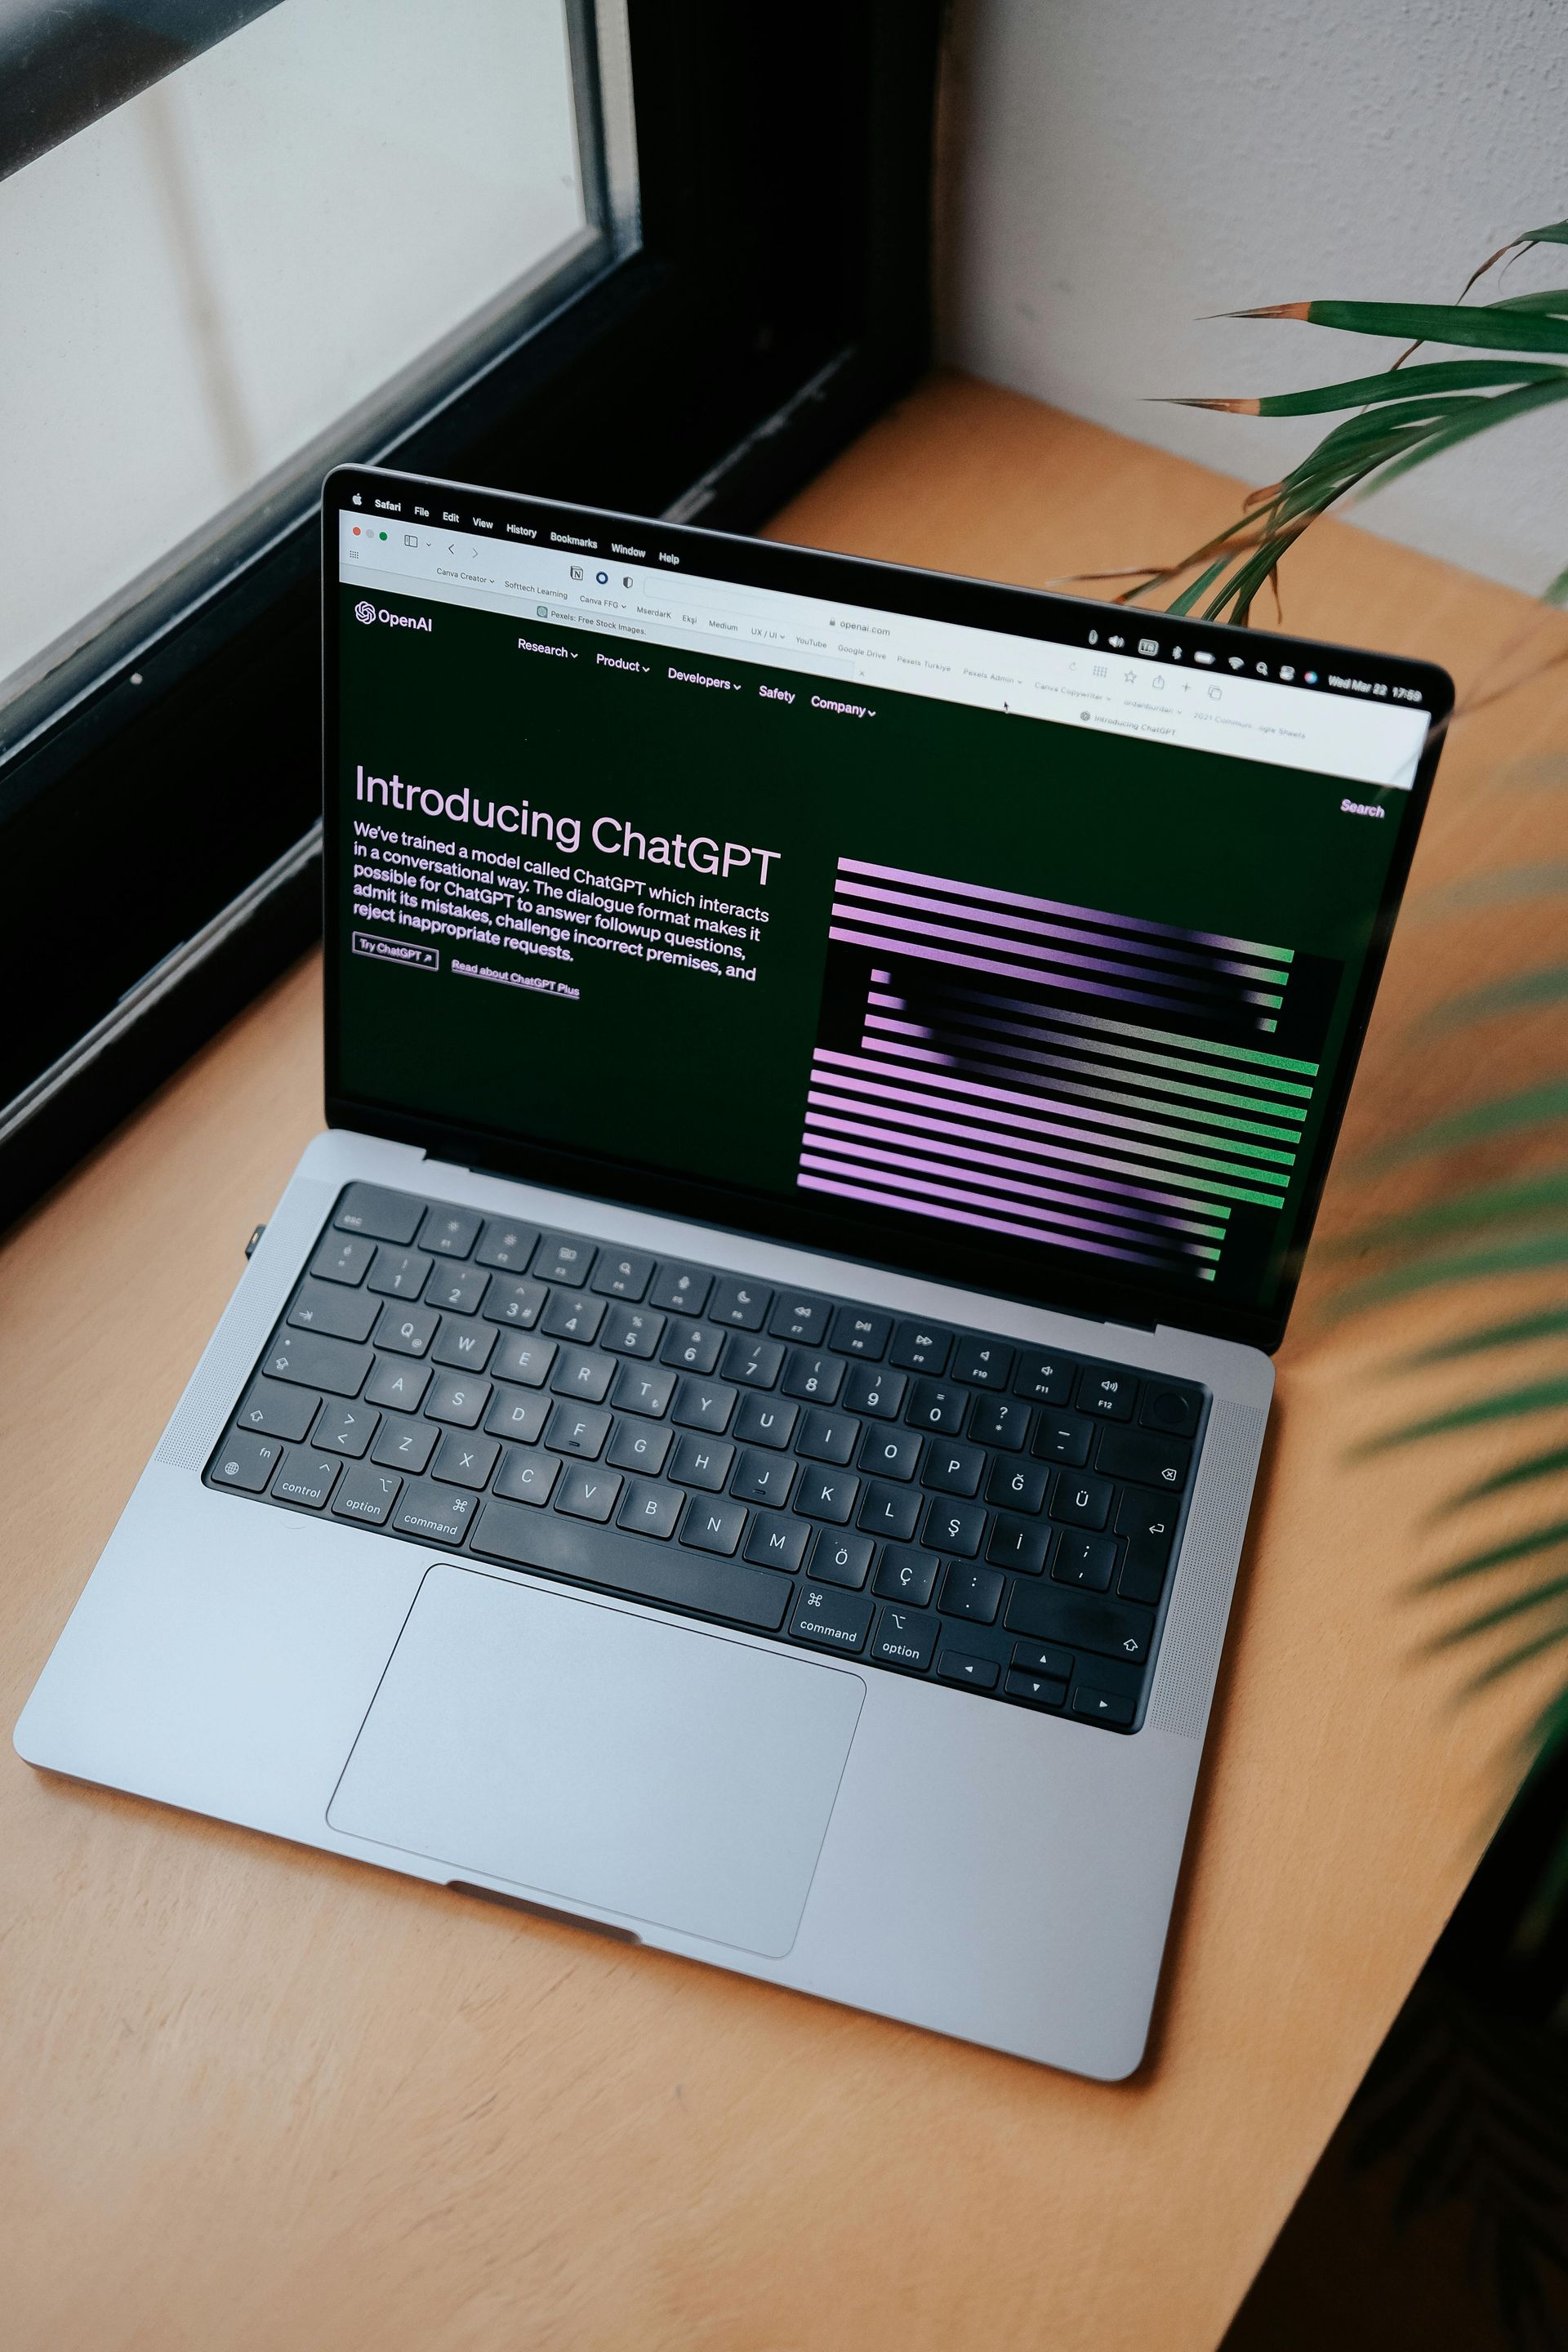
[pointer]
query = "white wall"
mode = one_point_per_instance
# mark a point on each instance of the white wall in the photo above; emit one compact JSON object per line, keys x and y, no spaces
{"x":1114,"y":169}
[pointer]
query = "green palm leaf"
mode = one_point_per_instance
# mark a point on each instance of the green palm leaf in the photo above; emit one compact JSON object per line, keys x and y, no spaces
{"x":1505,"y":1404}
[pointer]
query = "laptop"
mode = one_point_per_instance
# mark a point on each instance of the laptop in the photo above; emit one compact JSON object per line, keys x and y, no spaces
{"x":740,"y":1433}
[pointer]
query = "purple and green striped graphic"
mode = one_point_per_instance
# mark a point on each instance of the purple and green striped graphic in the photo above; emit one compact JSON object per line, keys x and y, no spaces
{"x":1092,"y":1081}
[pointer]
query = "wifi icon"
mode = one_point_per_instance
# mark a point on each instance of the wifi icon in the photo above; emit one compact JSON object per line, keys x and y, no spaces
{"x":1236,"y":661}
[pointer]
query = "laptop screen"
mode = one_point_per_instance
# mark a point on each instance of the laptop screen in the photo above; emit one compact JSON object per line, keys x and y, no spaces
{"x":960,"y":926}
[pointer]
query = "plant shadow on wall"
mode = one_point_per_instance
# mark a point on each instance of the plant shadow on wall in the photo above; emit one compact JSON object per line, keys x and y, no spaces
{"x":1457,"y":2139}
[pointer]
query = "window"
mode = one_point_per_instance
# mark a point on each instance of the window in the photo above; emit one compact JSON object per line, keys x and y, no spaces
{"x":661,"y":254}
{"x":269,"y":255}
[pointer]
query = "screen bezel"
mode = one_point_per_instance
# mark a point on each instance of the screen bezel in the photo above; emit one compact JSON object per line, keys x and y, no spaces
{"x":848,"y":1233}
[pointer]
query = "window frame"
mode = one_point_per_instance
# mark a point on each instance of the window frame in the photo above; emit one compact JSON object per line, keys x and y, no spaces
{"x":778,"y":301}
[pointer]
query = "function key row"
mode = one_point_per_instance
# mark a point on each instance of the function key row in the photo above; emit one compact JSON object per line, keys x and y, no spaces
{"x":392,"y":1242}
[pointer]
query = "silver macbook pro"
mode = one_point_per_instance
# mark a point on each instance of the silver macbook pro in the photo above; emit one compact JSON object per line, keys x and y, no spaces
{"x":740,"y":1432}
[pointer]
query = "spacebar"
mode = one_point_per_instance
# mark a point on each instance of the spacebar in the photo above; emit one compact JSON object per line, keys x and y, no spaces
{"x":684,"y":1580}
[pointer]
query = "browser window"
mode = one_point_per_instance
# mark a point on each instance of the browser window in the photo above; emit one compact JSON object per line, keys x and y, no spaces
{"x":1051,"y":943}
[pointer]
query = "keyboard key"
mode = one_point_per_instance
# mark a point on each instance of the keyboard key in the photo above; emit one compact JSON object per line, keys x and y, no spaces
{"x":692,"y":1347}
{"x":406,"y":1331}
{"x":1032,"y":1658}
{"x":703,"y":1405}
{"x":703,"y":1462}
{"x":462,"y":1346}
{"x":1017,"y":1486}
{"x":639,"y":1445}
{"x":904,"y":1639}
{"x":367,"y":1495}
{"x":501,"y":1244}
{"x":776,"y":1542}
{"x":680,"y":1290}
{"x":1020,"y":1544}
{"x":305,"y":1478}
{"x":840,"y":1560}
{"x":528,"y":1477}
{"x":766,"y":1420}
{"x":1035,"y":1690}
{"x":649,"y":1510}
{"x":435,"y":1514}
{"x":519,"y":1303}
{"x":1144,"y":1574}
{"x":277,"y":1411}
{"x":396,"y":1386}
{"x":891,"y":1453}
{"x":585,"y":1494}
{"x":816,"y":1378}
{"x":1103,"y":1707}
{"x":343,"y":1257}
{"x":579,"y":1429}
{"x":622,"y":1274}
{"x":1109,"y":1395}
{"x":308,"y":1361}
{"x":1048,"y":1379}
{"x":712,"y":1526}
{"x":643,"y":1390}
{"x":1087,"y":1561}
{"x":827,"y":1495}
{"x":952,"y":1469}
{"x":933,"y":1406}
{"x":449,"y":1233}
{"x":1080,"y":1621}
{"x":457,"y":1397}
{"x":1173,"y":1412}
{"x":558,"y":1260}
{"x":982,"y":1363}
{"x":573,"y":1314}
{"x":457,"y":1289}
{"x":582,"y":1375}
{"x":919,"y":1348}
{"x":763,"y":1479}
{"x":247,"y":1461}
{"x":385,"y":1216}
{"x":858,"y":1332}
{"x":1063,"y":1437}
{"x":999,"y":1420}
{"x":518,"y":1415}
{"x":871,"y":1390}
{"x":1141,"y":1455}
{"x":405,"y":1445}
{"x":622,"y":1563}
{"x":399,"y":1274}
{"x":525,"y":1360}
{"x":805,"y":1319}
{"x":632,"y":1331}
{"x":343,"y":1428}
{"x":327,"y":1307}
{"x":980,"y":1674}
{"x":464,"y":1459}
{"x":906,"y":1575}
{"x":756,"y":1363}
{"x":741,"y":1304}
{"x":972,"y":1593}
{"x":1079,"y":1500}
{"x":953,"y":1527}
{"x":836,"y":1620}
{"x":828,"y":1437}
{"x":891,"y":1512}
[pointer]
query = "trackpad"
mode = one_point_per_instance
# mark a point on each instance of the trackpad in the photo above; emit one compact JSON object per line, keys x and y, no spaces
{"x":671,"y":1776}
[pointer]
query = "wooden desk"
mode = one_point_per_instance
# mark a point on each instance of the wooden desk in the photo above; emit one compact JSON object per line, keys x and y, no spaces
{"x":256,"y":2099}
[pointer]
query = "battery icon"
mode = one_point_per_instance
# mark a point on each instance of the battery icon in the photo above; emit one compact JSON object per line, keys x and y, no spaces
{"x":1207,"y":660}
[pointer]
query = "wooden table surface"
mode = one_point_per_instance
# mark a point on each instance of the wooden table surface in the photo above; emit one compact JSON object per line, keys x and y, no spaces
{"x":253,"y":2097}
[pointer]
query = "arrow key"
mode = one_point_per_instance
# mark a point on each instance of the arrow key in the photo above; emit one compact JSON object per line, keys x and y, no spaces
{"x":1035,"y":1690}
{"x":1102,"y":1706}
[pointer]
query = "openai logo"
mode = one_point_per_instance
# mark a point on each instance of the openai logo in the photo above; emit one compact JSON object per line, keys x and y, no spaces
{"x":365,"y":610}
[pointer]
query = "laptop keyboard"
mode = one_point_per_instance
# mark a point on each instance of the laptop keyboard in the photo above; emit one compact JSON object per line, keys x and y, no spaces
{"x":932,"y":1500}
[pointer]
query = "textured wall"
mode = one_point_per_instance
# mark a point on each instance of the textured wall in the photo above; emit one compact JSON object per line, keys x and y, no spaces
{"x":1114,"y":169}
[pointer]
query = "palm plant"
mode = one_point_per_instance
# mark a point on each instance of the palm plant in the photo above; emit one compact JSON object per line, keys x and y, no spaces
{"x":1401,"y":416}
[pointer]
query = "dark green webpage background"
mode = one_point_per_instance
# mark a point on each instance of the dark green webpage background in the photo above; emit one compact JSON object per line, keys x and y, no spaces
{"x":707,"y":1076}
